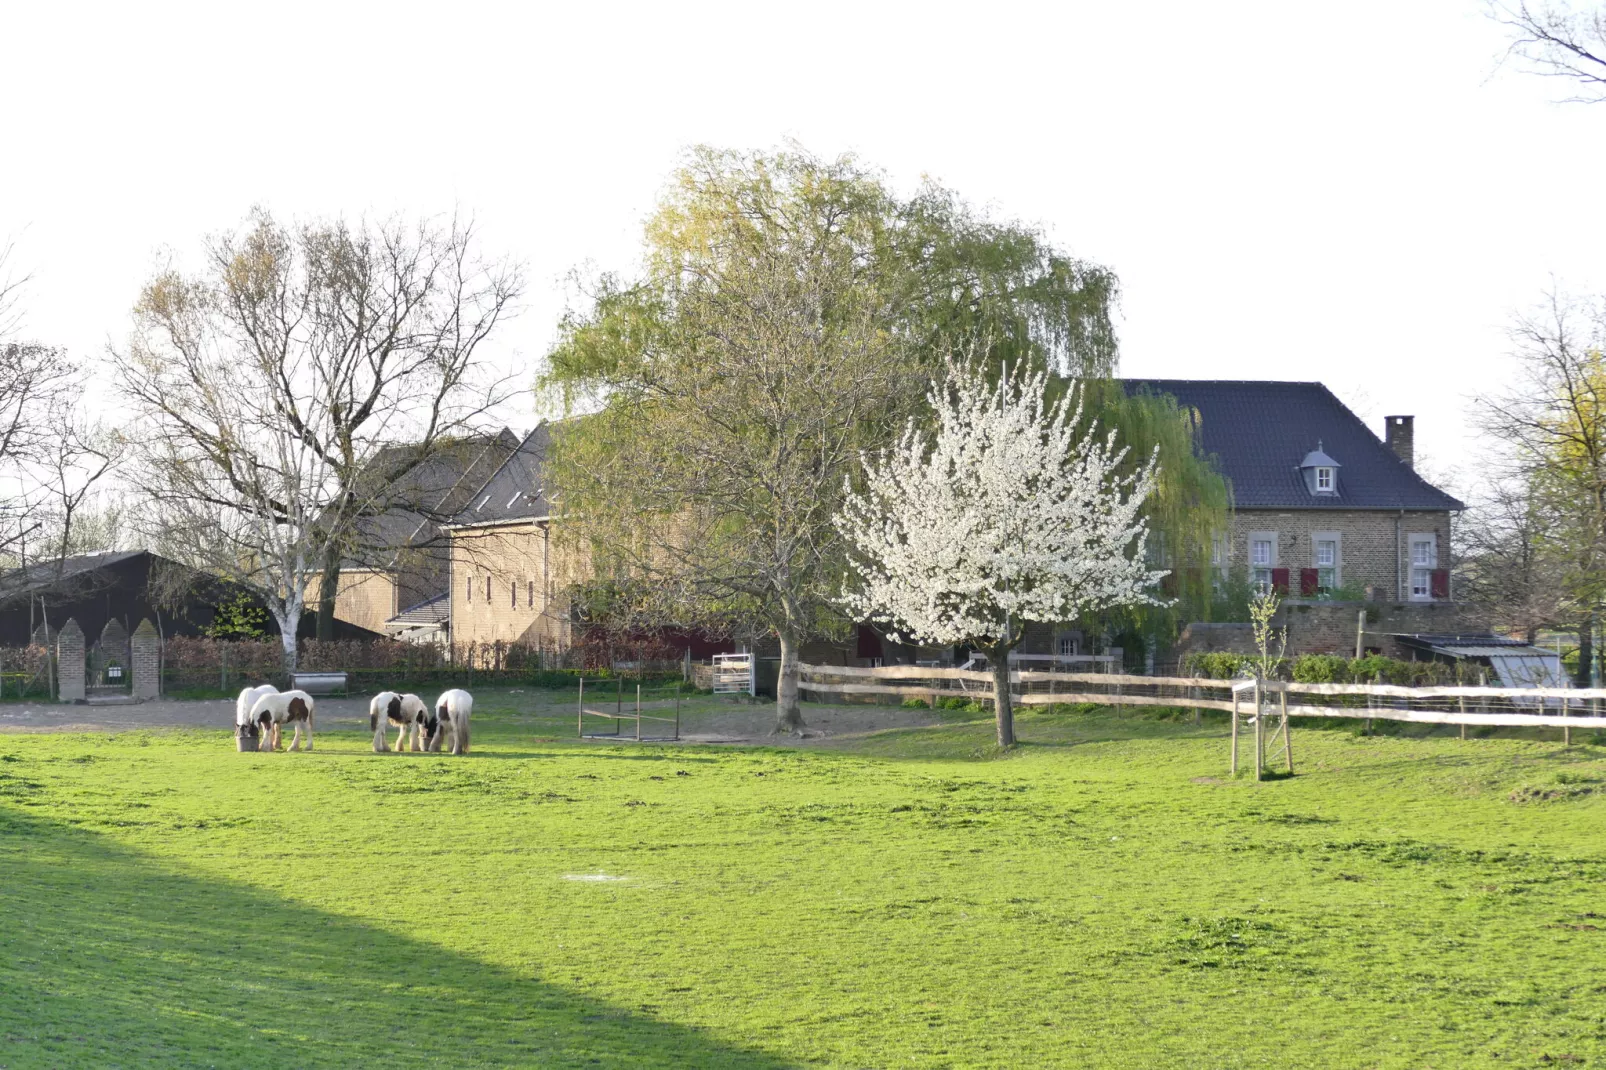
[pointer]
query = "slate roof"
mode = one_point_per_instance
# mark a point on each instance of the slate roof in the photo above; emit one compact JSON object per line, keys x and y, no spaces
{"x":516,"y":490}
{"x":430,"y":493}
{"x":1259,"y":431}
{"x":437,"y":610}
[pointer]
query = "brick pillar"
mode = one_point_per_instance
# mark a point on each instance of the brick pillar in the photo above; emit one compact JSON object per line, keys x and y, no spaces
{"x":145,"y":657}
{"x":70,"y":663}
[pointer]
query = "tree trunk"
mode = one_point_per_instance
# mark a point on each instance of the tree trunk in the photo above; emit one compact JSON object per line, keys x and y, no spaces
{"x":287,"y":640}
{"x":1586,"y":650}
{"x":328,"y":591}
{"x":788,"y":710}
{"x":1003,"y":711}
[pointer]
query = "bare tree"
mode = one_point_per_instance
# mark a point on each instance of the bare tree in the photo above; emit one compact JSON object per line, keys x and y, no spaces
{"x":287,"y":391}
{"x":1552,"y":419}
{"x":1505,"y":562}
{"x":1555,"y":41}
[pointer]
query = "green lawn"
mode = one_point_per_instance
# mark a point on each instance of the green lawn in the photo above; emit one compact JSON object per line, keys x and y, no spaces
{"x":1098,"y":898}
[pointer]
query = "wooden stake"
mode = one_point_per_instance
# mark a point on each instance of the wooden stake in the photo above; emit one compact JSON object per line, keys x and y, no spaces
{"x":638,"y":713}
{"x":580,"y":709}
{"x":1235,"y":733}
{"x":1260,"y":732}
{"x":1288,"y":738}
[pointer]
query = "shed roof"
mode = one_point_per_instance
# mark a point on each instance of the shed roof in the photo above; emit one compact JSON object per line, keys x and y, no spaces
{"x":1258,"y":431}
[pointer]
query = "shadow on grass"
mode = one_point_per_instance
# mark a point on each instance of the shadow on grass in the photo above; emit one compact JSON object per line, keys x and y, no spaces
{"x":108,"y":958}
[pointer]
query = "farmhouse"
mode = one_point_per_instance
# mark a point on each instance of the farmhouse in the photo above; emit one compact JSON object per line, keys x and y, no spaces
{"x":1327,"y":513}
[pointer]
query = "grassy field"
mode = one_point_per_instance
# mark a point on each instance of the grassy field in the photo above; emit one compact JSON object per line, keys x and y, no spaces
{"x":1102,"y":897}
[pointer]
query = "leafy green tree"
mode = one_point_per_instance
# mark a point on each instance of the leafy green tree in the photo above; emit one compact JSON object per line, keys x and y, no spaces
{"x":788,"y":316}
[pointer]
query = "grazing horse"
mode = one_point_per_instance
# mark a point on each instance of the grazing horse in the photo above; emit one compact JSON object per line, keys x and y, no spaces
{"x":452,"y":710}
{"x":288,"y":707}
{"x":246,"y":731}
{"x":407,"y":712}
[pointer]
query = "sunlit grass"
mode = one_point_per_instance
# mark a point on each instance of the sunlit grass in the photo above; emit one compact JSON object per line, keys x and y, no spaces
{"x":1103,"y":896}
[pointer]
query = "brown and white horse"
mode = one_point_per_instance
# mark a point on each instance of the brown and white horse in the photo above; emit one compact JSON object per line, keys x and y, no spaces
{"x":287,"y":707}
{"x":450,"y":719}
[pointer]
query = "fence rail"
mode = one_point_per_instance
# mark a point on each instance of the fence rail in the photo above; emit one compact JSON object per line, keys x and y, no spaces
{"x":1505,"y":707}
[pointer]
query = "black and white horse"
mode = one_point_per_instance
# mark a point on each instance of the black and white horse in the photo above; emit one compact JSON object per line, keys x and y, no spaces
{"x":407,"y":712}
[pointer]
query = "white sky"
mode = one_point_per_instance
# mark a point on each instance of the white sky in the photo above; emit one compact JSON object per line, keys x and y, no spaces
{"x":1348,"y":193}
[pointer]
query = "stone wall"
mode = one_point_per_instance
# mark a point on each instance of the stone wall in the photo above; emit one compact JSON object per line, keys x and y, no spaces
{"x":366,"y":598}
{"x":527,"y":573}
{"x":1316,"y":627}
{"x":1369,"y":553}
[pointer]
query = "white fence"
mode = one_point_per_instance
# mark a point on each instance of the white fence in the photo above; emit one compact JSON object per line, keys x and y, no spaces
{"x":1550,"y":707}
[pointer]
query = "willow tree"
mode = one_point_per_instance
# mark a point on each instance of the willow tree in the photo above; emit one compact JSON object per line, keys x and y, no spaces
{"x":788,"y":315}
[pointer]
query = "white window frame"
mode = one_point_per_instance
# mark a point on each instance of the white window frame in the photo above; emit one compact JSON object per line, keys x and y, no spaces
{"x":1324,"y":480}
{"x":1260,"y":571}
{"x":1337,"y":567}
{"x":1419,"y":568}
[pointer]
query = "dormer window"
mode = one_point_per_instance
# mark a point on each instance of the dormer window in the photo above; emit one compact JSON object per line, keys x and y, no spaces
{"x":1320,"y":473}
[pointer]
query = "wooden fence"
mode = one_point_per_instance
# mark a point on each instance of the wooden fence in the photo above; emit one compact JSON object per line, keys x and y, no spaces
{"x":1565,"y":708}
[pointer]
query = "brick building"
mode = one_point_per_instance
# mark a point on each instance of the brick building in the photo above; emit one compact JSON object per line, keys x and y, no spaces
{"x":1327,"y":513}
{"x":509,"y":579}
{"x":1322,"y":507}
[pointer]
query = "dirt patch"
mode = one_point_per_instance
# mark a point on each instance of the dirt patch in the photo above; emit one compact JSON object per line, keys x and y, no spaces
{"x":824,"y":725}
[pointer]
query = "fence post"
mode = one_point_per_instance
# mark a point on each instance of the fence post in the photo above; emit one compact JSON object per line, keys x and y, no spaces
{"x":70,"y":662}
{"x":144,"y":656}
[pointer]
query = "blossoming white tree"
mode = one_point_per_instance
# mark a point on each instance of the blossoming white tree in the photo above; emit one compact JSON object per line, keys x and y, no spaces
{"x":1013,"y":511}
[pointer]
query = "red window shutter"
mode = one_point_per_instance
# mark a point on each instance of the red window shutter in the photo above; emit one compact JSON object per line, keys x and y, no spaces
{"x":1440,"y":581}
{"x":1279,"y":580}
{"x":1309,"y":582}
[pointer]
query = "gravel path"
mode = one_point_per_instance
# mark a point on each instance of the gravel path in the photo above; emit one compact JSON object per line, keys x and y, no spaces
{"x":165,"y":713}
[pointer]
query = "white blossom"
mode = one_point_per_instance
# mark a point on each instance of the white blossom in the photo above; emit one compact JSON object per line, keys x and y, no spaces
{"x":1010,"y":512}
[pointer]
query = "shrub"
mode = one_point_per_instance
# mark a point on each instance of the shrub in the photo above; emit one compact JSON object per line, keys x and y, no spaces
{"x":1320,"y":669}
{"x":915,"y":704}
{"x":952,"y":703}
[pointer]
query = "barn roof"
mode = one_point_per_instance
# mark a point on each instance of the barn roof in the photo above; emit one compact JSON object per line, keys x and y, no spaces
{"x":515,"y":491}
{"x":1259,"y":432}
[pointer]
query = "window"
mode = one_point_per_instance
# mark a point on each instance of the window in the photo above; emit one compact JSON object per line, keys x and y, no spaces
{"x":531,"y":585}
{"x":1325,"y":557}
{"x":1324,"y":481}
{"x":1424,"y":559}
{"x":487,"y":587}
{"x":468,"y":589}
{"x":1262,"y":558}
{"x":1067,"y":646}
{"x":513,"y":594}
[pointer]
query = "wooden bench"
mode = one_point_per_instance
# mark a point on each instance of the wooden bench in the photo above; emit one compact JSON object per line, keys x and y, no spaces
{"x":320,"y":683}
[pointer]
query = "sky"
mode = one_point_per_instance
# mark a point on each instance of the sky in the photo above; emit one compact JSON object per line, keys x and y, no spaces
{"x":1358,"y":194}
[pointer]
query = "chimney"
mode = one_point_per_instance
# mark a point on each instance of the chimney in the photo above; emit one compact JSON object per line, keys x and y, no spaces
{"x":1400,"y":434}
